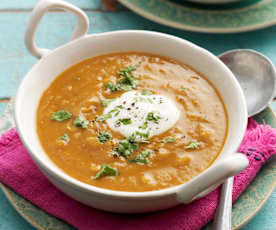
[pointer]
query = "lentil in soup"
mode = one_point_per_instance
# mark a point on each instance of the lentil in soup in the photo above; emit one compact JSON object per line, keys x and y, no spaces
{"x":132,"y":122}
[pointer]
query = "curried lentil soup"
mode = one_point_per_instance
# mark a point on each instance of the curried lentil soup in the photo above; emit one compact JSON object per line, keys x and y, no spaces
{"x":75,"y":129}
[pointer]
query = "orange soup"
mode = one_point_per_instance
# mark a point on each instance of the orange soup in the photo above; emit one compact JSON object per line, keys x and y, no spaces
{"x":132,"y":122}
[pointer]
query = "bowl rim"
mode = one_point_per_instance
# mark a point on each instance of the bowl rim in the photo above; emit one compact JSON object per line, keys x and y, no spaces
{"x":75,"y":184}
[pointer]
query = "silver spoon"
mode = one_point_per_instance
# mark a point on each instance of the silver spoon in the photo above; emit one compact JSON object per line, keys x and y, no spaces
{"x":257,"y":77}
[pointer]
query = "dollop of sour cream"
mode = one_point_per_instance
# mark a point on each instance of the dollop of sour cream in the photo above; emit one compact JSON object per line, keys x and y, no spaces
{"x":143,"y":114}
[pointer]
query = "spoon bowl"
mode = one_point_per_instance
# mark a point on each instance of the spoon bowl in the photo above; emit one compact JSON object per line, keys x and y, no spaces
{"x":256,"y":75}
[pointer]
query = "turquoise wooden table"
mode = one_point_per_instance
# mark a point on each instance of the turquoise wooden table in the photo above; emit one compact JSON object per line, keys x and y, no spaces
{"x":56,"y":28}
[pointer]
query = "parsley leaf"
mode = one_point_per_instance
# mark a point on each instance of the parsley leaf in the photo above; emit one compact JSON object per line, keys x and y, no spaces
{"x":127,"y":70}
{"x":144,"y":126}
{"x":125,"y":87}
{"x":169,"y":140}
{"x":106,"y":102}
{"x":106,"y":170}
{"x":153,"y":116}
{"x":65,"y":138}
{"x":81,"y":122}
{"x":108,"y":115}
{"x":104,"y":117}
{"x":61,"y":115}
{"x":103,"y":137}
{"x":146,"y":93}
{"x":183,"y":88}
{"x":126,"y":82}
{"x":119,"y":107}
{"x":125,"y":121}
{"x":193,"y":145}
{"x":150,"y":101}
{"x":111,"y":86}
{"x":126,"y":146}
{"x":141,"y":158}
{"x":143,"y":99}
{"x":116,"y":110}
{"x":145,"y":135}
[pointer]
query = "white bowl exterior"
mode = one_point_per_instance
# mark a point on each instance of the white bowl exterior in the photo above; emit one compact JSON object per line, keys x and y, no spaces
{"x":50,"y":66}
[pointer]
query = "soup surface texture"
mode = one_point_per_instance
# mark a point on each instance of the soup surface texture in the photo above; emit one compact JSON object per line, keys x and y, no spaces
{"x":132,"y":122}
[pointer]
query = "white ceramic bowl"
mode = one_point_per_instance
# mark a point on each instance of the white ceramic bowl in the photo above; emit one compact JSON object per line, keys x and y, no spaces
{"x":52,"y":63}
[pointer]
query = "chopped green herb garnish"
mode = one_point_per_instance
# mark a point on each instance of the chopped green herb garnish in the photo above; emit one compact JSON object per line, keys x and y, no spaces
{"x":169,"y":140}
{"x":126,"y":146}
{"x":153,"y":116}
{"x":108,"y":115}
{"x":193,"y":145}
{"x":141,"y":158}
{"x":127,"y":70}
{"x":132,"y":137}
{"x":145,"y":135}
{"x":76,"y":78}
{"x":113,"y":87}
{"x":146,"y":93}
{"x":125,"y":87}
{"x":104,"y":117}
{"x":125,"y":121}
{"x":150,"y":101}
{"x":126,"y":82}
{"x":119,"y":107}
{"x":65,"y":138}
{"x":144,"y":126}
{"x":104,"y":137}
{"x":142,"y":99}
{"x":116,"y":110}
{"x":183,"y":88}
{"x":106,"y":102}
{"x":106,"y":170}
{"x":61,"y":115}
{"x":81,"y":122}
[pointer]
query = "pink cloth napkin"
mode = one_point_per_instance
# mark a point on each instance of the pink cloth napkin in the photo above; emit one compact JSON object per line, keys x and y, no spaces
{"x":18,"y":171}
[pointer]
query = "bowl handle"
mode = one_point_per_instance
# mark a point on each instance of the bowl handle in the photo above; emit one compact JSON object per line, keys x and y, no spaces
{"x":40,"y":9}
{"x":214,"y":175}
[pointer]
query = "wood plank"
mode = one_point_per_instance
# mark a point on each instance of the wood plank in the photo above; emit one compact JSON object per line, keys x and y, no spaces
{"x":56,"y":27}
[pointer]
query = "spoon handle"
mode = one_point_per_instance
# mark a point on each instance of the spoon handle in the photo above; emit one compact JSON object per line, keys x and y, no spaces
{"x":223,"y":220}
